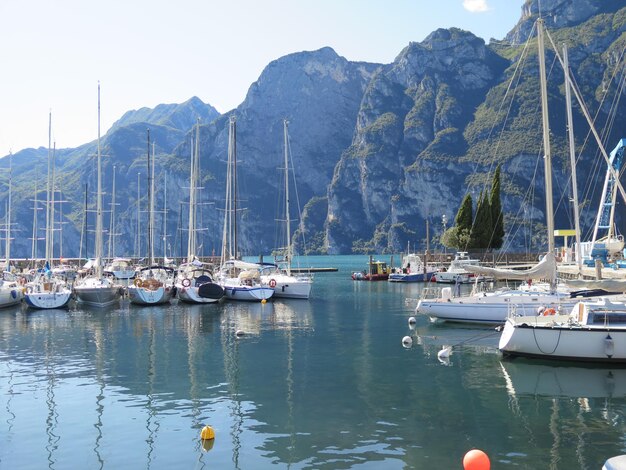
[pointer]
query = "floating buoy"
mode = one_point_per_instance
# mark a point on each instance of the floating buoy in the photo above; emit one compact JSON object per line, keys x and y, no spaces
{"x":476,"y":459}
{"x":445,"y":352}
{"x":263,"y":301}
{"x":239,"y":333}
{"x":407,"y":341}
{"x":207,"y":436}
{"x":207,"y":433}
{"x":412,"y":320}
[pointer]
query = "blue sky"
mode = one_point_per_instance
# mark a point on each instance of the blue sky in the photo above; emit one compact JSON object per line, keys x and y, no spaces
{"x":162,"y":51}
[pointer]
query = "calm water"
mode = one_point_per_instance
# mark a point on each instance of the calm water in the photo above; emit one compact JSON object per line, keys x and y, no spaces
{"x":323,"y":384}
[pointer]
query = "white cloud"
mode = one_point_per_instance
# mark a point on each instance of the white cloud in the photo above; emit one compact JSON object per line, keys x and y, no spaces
{"x":475,"y":6}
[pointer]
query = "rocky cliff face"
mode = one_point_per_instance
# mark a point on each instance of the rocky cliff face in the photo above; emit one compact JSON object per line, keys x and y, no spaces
{"x":377,"y":150}
{"x":384,"y":185}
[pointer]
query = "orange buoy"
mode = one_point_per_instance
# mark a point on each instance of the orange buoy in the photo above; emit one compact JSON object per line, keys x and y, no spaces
{"x":476,"y":459}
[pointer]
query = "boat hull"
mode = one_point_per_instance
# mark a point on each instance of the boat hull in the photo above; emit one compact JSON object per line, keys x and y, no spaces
{"x":191,"y":294}
{"x":411,"y":277}
{"x":537,"y":339}
{"x":143,"y":296}
{"x":97,"y":292}
{"x":10,"y":296}
{"x":289,"y":287}
{"x":490,"y":309}
{"x":248,"y":293}
{"x":48,"y":300}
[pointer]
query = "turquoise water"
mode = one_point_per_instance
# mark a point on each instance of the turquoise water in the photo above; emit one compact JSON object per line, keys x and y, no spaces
{"x":318,"y":384}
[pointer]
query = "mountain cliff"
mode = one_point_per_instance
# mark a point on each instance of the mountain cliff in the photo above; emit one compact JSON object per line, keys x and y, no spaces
{"x":377,"y":149}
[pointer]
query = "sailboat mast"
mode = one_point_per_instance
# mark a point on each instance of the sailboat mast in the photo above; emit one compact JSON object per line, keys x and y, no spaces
{"x":112,"y":221}
{"x":52,"y":183}
{"x":287,"y":218}
{"x":191,"y":240}
{"x":8,"y":232}
{"x":234,"y":188}
{"x":547,"y":161}
{"x":48,"y":191}
{"x":99,"y":201}
{"x":150,"y":207}
{"x":572,"y":157}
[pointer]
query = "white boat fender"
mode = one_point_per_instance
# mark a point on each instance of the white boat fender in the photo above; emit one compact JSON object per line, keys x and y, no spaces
{"x":407,"y":342}
{"x":609,"y":346}
{"x":445,"y":352}
{"x":412,"y":320}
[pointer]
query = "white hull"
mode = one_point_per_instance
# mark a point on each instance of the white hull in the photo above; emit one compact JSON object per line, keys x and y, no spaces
{"x":490,"y":307}
{"x":190,"y":296}
{"x":10,"y":295}
{"x":143,"y":296}
{"x":48,"y":300}
{"x":289,"y":287}
{"x":247,"y":293}
{"x":97,"y":292}
{"x":554,"y":337}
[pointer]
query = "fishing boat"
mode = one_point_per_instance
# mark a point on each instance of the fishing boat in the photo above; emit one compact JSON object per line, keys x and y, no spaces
{"x":153,"y":284}
{"x":376,"y":271}
{"x":239,"y":279}
{"x":279,"y":276}
{"x":194,"y":280}
{"x":48,"y":289}
{"x":593,"y":330}
{"x":413,"y":269}
{"x":95,"y":289}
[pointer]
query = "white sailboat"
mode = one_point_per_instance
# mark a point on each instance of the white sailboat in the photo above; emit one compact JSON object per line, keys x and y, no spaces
{"x":10,"y":290}
{"x":240,"y":280}
{"x":279,"y":276}
{"x":48,"y":290}
{"x":493,"y":307}
{"x":95,"y":289}
{"x":153,"y":284}
{"x":194,"y":281}
{"x":593,"y":330}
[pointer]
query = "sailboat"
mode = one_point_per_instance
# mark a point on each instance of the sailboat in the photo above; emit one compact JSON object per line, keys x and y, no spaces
{"x":10,"y":291}
{"x":241,"y":280}
{"x":194,"y":282}
{"x":48,"y":290}
{"x":120,"y":268}
{"x":95,"y":289}
{"x":493,"y":307}
{"x":154,"y":284}
{"x":279,"y":276}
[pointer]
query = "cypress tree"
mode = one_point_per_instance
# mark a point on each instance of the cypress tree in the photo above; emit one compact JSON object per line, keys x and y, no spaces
{"x":464,"y":217}
{"x":481,"y":230}
{"x":497,"y":217}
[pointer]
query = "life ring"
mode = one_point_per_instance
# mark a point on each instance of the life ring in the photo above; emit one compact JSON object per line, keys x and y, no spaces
{"x":272,"y":283}
{"x":186,"y":282}
{"x":137,"y":282}
{"x":549,"y":311}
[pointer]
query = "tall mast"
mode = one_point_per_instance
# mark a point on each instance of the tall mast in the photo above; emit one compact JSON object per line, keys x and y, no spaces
{"x":8,"y":232}
{"x":287,"y":217}
{"x":191,"y":240}
{"x":235,"y":244}
{"x":138,"y":246}
{"x":99,"y":202}
{"x":150,"y":206}
{"x":572,"y":157}
{"x":546,"y":137}
{"x":33,"y":248}
{"x":111,"y":253}
{"x":48,"y":192}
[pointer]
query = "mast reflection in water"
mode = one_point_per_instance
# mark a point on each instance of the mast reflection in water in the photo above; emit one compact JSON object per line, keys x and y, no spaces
{"x":323,"y":383}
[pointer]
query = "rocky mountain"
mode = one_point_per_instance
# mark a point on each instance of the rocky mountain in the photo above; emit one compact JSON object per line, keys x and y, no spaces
{"x":377,"y":149}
